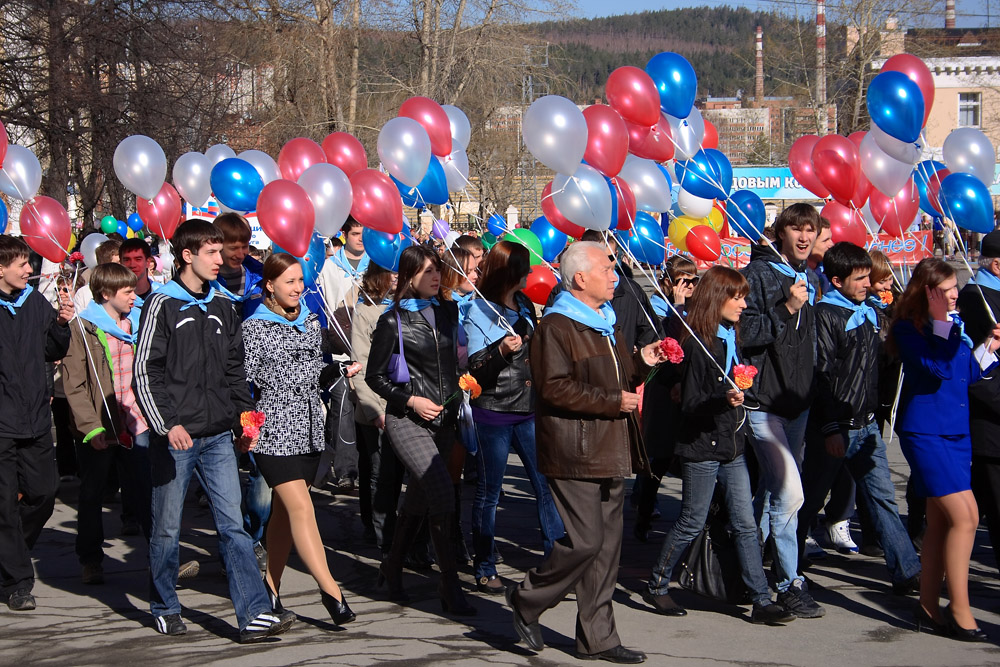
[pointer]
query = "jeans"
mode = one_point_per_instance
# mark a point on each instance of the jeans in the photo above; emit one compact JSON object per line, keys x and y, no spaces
{"x":494,"y":446}
{"x":866,"y":461}
{"x":215,"y":459}
{"x":256,"y":503}
{"x":777,"y":442}
{"x":699,"y":486}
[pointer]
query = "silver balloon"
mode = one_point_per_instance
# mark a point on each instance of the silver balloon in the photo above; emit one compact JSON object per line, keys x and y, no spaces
{"x":140,"y":165}
{"x":555,"y":132}
{"x":88,"y":248}
{"x":456,"y":170}
{"x":687,"y":134}
{"x":331,"y":195}
{"x":405,"y":150}
{"x":649,"y":185}
{"x":263,"y":163}
{"x":191,"y":178}
{"x":461,"y":129}
{"x":887,"y":174}
{"x":584,"y":198}
{"x":966,"y":150}
{"x":21,"y":175}
{"x":692,"y":206}
{"x":894,"y":148}
{"x":218,"y":153}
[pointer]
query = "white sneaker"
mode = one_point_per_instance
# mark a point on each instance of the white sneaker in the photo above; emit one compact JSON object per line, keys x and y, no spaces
{"x":839,"y":537}
{"x":813,"y":550}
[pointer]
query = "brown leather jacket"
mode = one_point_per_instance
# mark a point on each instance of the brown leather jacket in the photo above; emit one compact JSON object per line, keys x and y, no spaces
{"x":581,"y":432}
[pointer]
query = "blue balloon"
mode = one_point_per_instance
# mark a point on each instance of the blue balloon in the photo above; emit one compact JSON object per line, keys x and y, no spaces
{"x":923,"y":173}
{"x":723,"y":167}
{"x":4,"y":216}
{"x":896,"y":105}
{"x":496,"y":225}
{"x":700,"y":177}
{"x":746,"y":214}
{"x":134,"y":222}
{"x":967,"y":201}
{"x":384,"y":249}
{"x":236,"y":184}
{"x":553,"y":241}
{"x":122,"y":229}
{"x":433,"y":189}
{"x":311,"y":262}
{"x":675,"y":82}
{"x":645,"y":240}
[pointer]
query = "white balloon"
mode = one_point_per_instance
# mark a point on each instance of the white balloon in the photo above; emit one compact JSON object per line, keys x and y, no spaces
{"x":191,"y":178}
{"x":687,"y":134}
{"x":331,"y":195}
{"x":88,"y":248}
{"x":886,"y":173}
{"x":894,"y":148}
{"x":22,"y":174}
{"x":140,"y":165}
{"x":584,"y":198}
{"x":263,"y":163}
{"x":695,"y":207}
{"x":461,"y":129}
{"x":649,"y":185}
{"x":966,"y":150}
{"x":451,"y":237}
{"x":555,"y":132}
{"x":405,"y":150}
{"x":218,"y":153}
{"x":456,"y":170}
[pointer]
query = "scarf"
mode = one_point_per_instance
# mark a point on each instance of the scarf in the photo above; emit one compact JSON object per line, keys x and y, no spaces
{"x":602,"y":322}
{"x":660,"y":306}
{"x":99,"y":317}
{"x":876,"y":302}
{"x":235,"y":298}
{"x":268,"y":315}
{"x":984,"y":278}
{"x":363,"y":301}
{"x":340,"y":259}
{"x":175,"y":290}
{"x":482,"y":323}
{"x":861,"y":311}
{"x":955,"y":319}
{"x":12,"y":306}
{"x":415,"y":305}
{"x":796,"y":276}
{"x":728,"y":336}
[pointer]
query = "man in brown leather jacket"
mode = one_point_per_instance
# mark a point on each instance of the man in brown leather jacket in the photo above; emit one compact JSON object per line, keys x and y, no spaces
{"x":588,"y":441}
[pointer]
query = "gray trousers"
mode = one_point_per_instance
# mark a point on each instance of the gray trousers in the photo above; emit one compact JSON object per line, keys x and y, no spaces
{"x":424,"y":453}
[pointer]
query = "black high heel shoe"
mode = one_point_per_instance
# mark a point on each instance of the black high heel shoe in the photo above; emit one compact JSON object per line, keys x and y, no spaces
{"x":926,"y":621}
{"x":956,"y":631}
{"x":274,"y":598}
{"x":339,"y":611}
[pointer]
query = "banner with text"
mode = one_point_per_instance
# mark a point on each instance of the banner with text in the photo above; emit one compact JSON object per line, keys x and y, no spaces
{"x":258,"y":239}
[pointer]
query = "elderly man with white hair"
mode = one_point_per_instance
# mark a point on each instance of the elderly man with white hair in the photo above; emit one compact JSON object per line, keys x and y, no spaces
{"x":588,"y":440}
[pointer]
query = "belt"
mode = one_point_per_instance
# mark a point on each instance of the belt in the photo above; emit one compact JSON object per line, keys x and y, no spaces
{"x":860,"y":422}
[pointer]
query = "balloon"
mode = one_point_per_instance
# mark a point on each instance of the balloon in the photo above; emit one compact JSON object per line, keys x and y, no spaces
{"x":440,"y":229}
{"x":236,"y":184}
{"x":4,"y":215}
{"x":456,"y":169}
{"x":434,"y":120}
{"x":21,"y":175}
{"x":343,"y":150}
{"x":217,"y":153}
{"x":551,"y":239}
{"x":489,"y":240}
{"x":896,"y":149}
{"x":405,"y":150}
{"x":922,"y":175}
{"x":846,"y":224}
{"x":286,"y":215}
{"x":687,"y":133}
{"x":856,"y":137}
{"x":835,"y":162}
{"x":109,"y":225}
{"x":557,"y":219}
{"x":3,"y":149}
{"x":584,"y":198}
{"x":135,"y":222}
{"x":724,"y":169}
{"x":632,"y":93}
{"x":450,"y":238}
{"x":934,"y":191}
{"x":693,"y":206}
{"x":886,"y":174}
{"x":528,"y":239}
{"x":711,"y":139}
{"x":313,"y":259}
{"x":896,"y":105}
{"x":45,"y":227}
{"x":700,"y":177}
{"x":376,"y":202}
{"x":861,"y":192}
{"x":966,"y":200}
{"x":801,"y":166}
{"x":967,"y":150}
{"x":191,"y":175}
{"x":649,"y":183}
{"x":296,"y":156}
{"x":652,"y":143}
{"x":72,"y":239}
{"x":645,"y":241}
{"x":555,"y":132}
{"x":88,"y":248}
{"x":917,"y":71}
{"x":607,"y":139}
{"x":263,"y":163}
{"x":385,"y":249}
{"x":895,"y":214}
{"x":675,"y":82}
{"x":679,"y":228}
{"x":433,"y":189}
{"x":329,"y":190}
{"x":717,"y":218}
{"x":496,"y":224}
{"x":703,"y":242}
{"x":140,"y":165}
{"x":461,"y":129}
{"x":539,"y":285}
{"x":624,"y":205}
{"x":162,"y":213}
{"x":747,"y":214}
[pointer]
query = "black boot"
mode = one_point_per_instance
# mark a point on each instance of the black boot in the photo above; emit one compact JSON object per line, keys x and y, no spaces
{"x":391,"y":570}
{"x":339,"y":611}
{"x":450,"y":589}
{"x":462,"y":555}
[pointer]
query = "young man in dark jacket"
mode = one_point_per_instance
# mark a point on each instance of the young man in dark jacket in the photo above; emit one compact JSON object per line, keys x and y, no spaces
{"x":31,"y":334}
{"x":846,"y":432}
{"x":191,"y":386}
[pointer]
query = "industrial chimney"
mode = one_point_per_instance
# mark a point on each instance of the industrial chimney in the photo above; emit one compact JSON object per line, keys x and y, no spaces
{"x":821,"y":121}
{"x":949,"y":14}
{"x":758,"y":90}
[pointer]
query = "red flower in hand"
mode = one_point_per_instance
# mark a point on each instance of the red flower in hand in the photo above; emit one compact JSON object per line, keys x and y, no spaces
{"x":744,"y":375}
{"x":251,"y":423}
{"x":672,"y":350}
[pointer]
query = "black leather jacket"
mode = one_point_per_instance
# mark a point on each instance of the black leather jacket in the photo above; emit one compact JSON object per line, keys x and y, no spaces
{"x":506,"y":381}
{"x":846,"y":370}
{"x":431,"y":356}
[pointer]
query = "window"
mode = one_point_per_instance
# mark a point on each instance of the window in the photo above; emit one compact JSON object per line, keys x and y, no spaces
{"x":968,"y":109}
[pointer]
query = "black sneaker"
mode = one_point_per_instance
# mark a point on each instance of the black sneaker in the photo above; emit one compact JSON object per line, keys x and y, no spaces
{"x":171,"y":624}
{"x":770,"y":614}
{"x":21,"y":600}
{"x":266,"y":625}
{"x":798,"y":601}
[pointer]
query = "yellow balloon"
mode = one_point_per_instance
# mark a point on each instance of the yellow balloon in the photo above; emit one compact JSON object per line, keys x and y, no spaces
{"x":716,"y":218}
{"x":130,"y":234}
{"x":72,"y":242}
{"x":679,"y":228}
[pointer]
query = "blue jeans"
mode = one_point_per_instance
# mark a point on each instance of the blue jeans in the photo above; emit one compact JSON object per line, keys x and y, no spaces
{"x":214,"y":458}
{"x":494,"y":446}
{"x":778,"y":442}
{"x":256,"y":503}
{"x":866,"y":461}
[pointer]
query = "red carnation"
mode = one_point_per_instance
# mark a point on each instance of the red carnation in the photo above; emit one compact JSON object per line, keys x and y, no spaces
{"x":672,"y":350}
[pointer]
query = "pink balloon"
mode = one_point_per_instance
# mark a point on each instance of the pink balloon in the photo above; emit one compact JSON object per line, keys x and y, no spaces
{"x":3,"y":143}
{"x":376,"y":202}
{"x":345,"y":151}
{"x":162,"y":214}
{"x":857,"y":137}
{"x":914,"y":68}
{"x":557,"y":219}
{"x":607,"y":139}
{"x":432,"y":118}
{"x":626,"y":204}
{"x":632,"y":93}
{"x":895,"y":214}
{"x":298,"y":155}
{"x":286,"y":215}
{"x":837,"y":165}
{"x":651,"y":143}
{"x":801,"y":166}
{"x":861,"y":192}
{"x":45,"y":227}
{"x":846,"y":224}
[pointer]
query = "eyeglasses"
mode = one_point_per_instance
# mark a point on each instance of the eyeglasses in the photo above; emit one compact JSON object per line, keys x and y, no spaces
{"x":689,"y":281}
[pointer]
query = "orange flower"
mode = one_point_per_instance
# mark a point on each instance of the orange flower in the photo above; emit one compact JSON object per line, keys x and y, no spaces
{"x":251,"y":423}
{"x":886,"y":297}
{"x":744,"y":374}
{"x":469,"y":384}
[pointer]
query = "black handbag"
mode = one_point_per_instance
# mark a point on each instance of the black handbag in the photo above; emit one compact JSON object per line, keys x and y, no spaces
{"x":711,"y":567}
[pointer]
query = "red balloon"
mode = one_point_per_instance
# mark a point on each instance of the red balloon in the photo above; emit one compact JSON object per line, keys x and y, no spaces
{"x":914,"y":68}
{"x":162,"y":214}
{"x":3,"y":143}
{"x":376,"y":203}
{"x":345,"y":151}
{"x":703,"y":242}
{"x":711,"y":139}
{"x":934,"y":188}
{"x":846,"y":224}
{"x":45,"y":227}
{"x":857,"y":137}
{"x":607,"y":139}
{"x":861,"y":192}
{"x":895,"y":214}
{"x":539,"y":285}
{"x":633,"y":94}
{"x":298,"y":155}
{"x":432,"y":118}
{"x":558,"y":220}
{"x":837,"y":165}
{"x":801,"y":166}
{"x":286,"y":215}
{"x":626,"y":204}
{"x":651,"y":143}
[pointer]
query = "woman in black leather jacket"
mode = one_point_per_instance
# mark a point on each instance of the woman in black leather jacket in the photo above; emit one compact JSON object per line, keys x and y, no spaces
{"x":416,"y":384}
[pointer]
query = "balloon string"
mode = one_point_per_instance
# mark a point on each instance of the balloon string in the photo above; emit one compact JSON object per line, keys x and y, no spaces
{"x":963,"y":252}
{"x":331,"y":318}
{"x":502,"y":321}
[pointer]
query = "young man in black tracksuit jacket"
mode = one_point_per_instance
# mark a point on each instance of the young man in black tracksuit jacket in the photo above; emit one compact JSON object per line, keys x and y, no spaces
{"x":845,"y":431}
{"x":190,"y":383}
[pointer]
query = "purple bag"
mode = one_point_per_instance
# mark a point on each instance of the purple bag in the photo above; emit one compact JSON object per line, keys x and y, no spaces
{"x":399,"y":372}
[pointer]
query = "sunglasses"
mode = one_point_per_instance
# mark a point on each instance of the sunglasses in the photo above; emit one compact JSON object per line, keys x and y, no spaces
{"x":689,"y":281}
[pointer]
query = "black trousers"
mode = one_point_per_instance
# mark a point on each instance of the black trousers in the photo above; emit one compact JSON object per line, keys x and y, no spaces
{"x":65,"y":440}
{"x":28,"y":467}
{"x":341,"y":452}
{"x":379,"y":484}
{"x":986,"y":487}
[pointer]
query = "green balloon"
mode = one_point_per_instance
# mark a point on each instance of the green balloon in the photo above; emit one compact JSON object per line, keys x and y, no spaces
{"x":488,"y":240}
{"x":529,"y":240}
{"x":140,"y":234}
{"x":109,"y":224}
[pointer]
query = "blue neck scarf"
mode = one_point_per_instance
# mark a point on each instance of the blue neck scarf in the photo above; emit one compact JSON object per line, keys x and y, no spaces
{"x":268,"y":315}
{"x":796,"y":276}
{"x":483,"y":326}
{"x":139,"y":301}
{"x":660,"y":306}
{"x":12,"y":306}
{"x":862,"y":311}
{"x":235,"y":298}
{"x":955,"y":319}
{"x":340,"y":259}
{"x":984,"y":278}
{"x":415,"y":305}
{"x":576,"y":310}
{"x":175,"y":290}
{"x":877,"y":302}
{"x":728,"y":336}
{"x":384,"y":302}
{"x":99,"y":317}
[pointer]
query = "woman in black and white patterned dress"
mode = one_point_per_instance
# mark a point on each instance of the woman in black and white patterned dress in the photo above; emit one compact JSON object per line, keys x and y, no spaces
{"x":284,"y":361}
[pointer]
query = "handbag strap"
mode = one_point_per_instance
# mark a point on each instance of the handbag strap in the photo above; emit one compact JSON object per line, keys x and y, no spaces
{"x":399,"y":332}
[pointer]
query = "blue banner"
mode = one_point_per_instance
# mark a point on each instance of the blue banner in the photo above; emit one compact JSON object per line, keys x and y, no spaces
{"x":770,"y":183}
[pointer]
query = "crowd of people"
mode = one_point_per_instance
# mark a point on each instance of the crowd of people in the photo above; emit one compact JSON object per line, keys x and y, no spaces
{"x":766,"y":390}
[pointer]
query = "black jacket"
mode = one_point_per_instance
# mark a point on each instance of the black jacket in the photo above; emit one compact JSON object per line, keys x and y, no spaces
{"x":431,"y":356}
{"x":27,"y":341}
{"x":188,"y":368}
{"x":984,"y":403}
{"x":782,"y":346}
{"x":506,"y":381}
{"x":660,"y":406}
{"x":846,"y":370}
